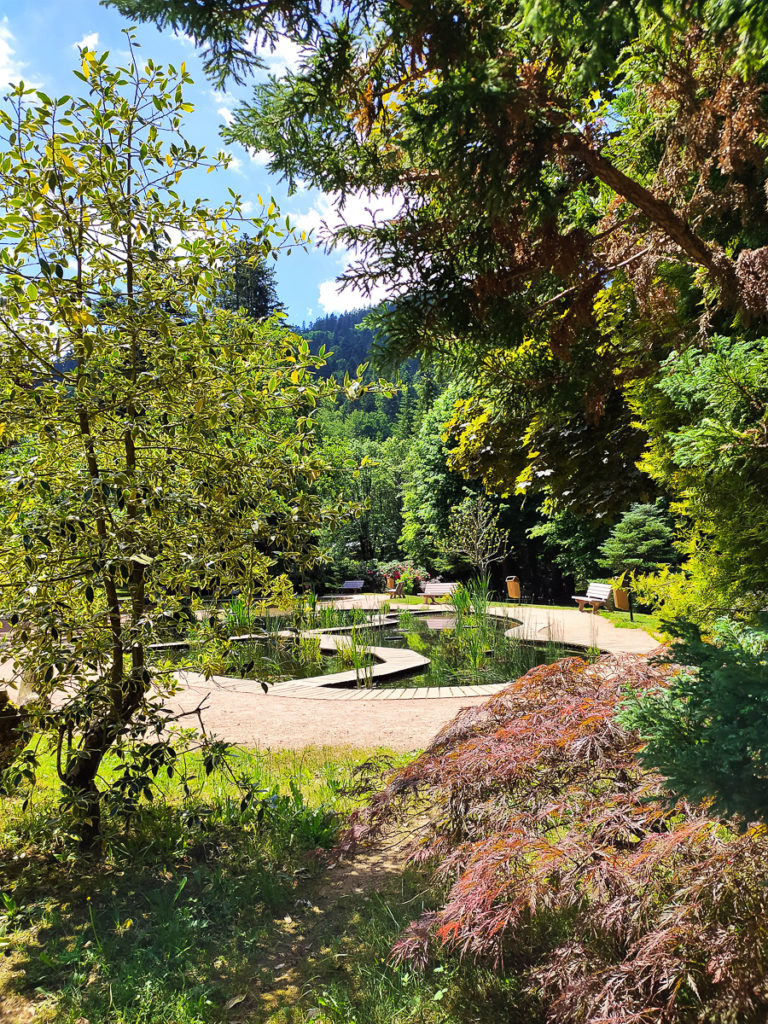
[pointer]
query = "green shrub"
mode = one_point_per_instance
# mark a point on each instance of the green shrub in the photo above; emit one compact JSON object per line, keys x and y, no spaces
{"x":708,"y":731}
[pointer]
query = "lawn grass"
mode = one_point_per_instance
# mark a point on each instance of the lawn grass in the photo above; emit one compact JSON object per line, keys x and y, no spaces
{"x":195,"y":914}
{"x":650,"y":623}
{"x":348,"y":980}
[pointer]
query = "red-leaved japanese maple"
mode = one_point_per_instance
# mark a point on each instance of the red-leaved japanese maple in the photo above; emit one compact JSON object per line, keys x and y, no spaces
{"x":562,"y":859}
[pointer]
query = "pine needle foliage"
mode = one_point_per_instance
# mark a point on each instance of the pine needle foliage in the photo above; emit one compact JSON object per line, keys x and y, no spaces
{"x":708,"y":731}
{"x":640,"y":541}
{"x":564,"y":862}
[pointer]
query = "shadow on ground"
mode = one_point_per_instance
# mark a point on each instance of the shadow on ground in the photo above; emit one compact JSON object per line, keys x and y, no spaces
{"x":171,"y":932}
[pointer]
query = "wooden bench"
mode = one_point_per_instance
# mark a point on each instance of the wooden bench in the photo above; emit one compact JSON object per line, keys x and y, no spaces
{"x":397,"y":591}
{"x":596,"y":596}
{"x":432,"y":590}
{"x":349,"y":586}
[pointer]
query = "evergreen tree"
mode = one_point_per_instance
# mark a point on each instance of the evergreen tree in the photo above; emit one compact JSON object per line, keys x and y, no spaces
{"x":248,"y":281}
{"x":640,"y":542}
{"x":707,"y":732}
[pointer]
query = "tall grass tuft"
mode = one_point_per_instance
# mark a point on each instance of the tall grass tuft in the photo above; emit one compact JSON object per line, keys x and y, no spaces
{"x":352,"y":650}
{"x":237,"y":616}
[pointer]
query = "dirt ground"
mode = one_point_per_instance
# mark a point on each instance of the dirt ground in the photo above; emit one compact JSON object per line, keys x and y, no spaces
{"x":270,"y":721}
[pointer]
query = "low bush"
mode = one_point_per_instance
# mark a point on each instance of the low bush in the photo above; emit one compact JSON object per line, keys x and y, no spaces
{"x":412,"y":576}
{"x":707,"y":732}
{"x":567,"y":864}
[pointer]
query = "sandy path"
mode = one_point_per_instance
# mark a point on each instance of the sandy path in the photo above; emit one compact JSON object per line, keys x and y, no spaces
{"x":268,"y":720}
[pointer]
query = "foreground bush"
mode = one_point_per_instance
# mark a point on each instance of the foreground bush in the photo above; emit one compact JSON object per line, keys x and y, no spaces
{"x":565,"y":861}
{"x":152,"y":444}
{"x":707,"y":732}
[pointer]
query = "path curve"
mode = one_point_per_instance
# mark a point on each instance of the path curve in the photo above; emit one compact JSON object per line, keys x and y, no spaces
{"x":402,"y":719}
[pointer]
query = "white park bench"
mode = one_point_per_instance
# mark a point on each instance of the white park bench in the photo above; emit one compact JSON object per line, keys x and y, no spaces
{"x":596,"y":596}
{"x":432,"y":590}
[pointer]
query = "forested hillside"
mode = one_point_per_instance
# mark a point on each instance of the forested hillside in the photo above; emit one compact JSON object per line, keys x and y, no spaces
{"x":406,"y":488}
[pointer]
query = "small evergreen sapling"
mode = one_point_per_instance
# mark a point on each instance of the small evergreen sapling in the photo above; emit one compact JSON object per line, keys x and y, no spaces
{"x":707,"y":732}
{"x":640,"y":542}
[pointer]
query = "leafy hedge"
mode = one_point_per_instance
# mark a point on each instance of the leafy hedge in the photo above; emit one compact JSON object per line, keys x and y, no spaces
{"x":566,"y":862}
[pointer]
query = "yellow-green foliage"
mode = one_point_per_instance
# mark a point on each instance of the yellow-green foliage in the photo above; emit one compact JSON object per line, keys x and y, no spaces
{"x":705,"y":416}
{"x":671,"y":593}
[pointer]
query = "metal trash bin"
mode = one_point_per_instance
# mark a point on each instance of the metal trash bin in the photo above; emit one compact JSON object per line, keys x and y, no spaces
{"x":513,"y":588}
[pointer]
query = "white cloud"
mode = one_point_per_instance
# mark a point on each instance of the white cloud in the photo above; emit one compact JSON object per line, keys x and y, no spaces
{"x":316,"y":216}
{"x":246,"y":208}
{"x":334,"y":300}
{"x":182,"y":38}
{"x":10,"y":66}
{"x":284,"y":57}
{"x":88,"y":42}
{"x":260,"y":157}
{"x":234,"y":163}
{"x":327,"y":215}
{"x":226,"y":103}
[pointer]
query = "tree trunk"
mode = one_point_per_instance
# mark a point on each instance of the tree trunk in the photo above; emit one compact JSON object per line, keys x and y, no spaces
{"x":83,"y":765}
{"x":662,"y":215}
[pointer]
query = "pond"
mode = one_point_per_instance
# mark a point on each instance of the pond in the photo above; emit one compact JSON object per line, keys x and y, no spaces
{"x":467,"y":650}
{"x":269,"y":659}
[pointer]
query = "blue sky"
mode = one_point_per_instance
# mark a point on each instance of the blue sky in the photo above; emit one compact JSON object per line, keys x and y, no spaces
{"x":38,"y":43}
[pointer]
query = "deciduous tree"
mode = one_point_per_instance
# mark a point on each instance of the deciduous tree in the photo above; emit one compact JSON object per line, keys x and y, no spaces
{"x":474,"y":534}
{"x":168,"y":444}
